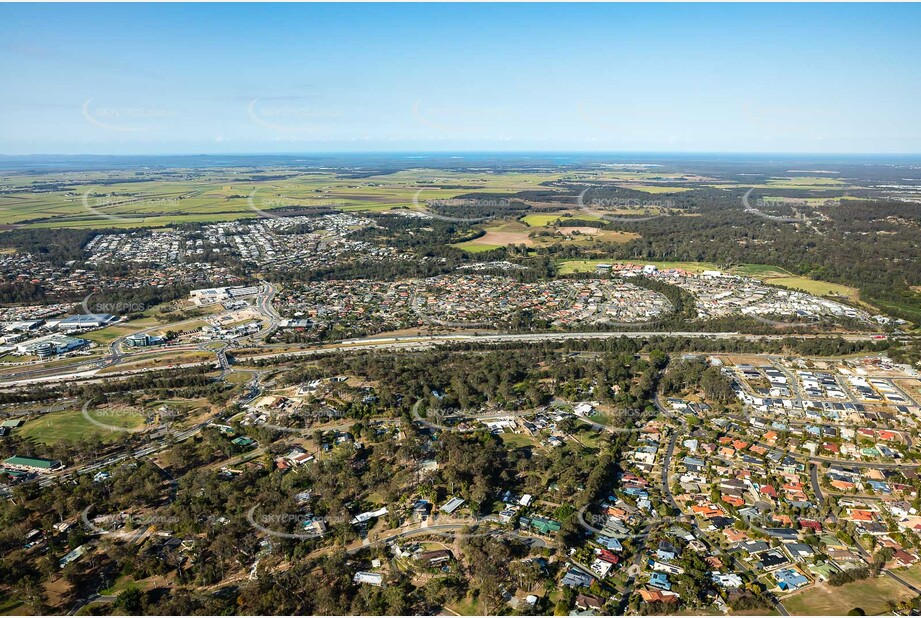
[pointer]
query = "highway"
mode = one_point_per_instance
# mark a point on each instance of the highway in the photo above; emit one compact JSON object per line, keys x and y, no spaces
{"x":167,"y":439}
{"x":84,"y":369}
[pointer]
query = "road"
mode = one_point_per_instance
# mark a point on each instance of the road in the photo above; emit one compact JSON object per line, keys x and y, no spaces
{"x":449,"y":530}
{"x":160,"y":444}
{"x":485,"y":416}
{"x":666,"y":466}
{"x":869,"y":558}
{"x":83,"y":369}
{"x":816,"y":488}
{"x":667,"y":492}
{"x":166,"y":440}
{"x":678,"y":430}
{"x":265,"y":305}
{"x":897,"y":578}
{"x":96,"y":598}
{"x":752,"y":210}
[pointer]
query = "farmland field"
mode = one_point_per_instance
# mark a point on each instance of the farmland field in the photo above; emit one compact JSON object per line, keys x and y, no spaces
{"x":657,"y":188}
{"x":473,"y":246}
{"x":119,"y":200}
{"x":807,"y":181}
{"x":539,"y":220}
{"x":128,"y":200}
{"x":552,"y":220}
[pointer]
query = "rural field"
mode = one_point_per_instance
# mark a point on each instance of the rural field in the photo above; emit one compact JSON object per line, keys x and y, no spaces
{"x":657,"y":188}
{"x":128,"y":200}
{"x":533,"y":234}
{"x":115,"y":200}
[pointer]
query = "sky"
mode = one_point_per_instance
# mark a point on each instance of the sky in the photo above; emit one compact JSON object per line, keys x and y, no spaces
{"x":285,"y":78}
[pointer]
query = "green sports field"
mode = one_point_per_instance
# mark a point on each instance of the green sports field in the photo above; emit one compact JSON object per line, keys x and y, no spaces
{"x":72,"y":426}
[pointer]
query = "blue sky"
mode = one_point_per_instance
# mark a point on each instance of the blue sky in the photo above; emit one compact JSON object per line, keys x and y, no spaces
{"x":241,"y":78}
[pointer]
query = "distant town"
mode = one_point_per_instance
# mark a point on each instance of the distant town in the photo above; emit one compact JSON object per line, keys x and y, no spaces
{"x":545,"y":388}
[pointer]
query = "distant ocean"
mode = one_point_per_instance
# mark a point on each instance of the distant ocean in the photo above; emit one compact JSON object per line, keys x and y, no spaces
{"x":403,"y":160}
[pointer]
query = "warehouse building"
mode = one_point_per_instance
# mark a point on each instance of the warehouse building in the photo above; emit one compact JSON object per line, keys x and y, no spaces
{"x":31,"y":464}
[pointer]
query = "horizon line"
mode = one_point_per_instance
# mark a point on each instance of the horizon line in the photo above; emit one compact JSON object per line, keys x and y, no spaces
{"x":462,"y":152}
